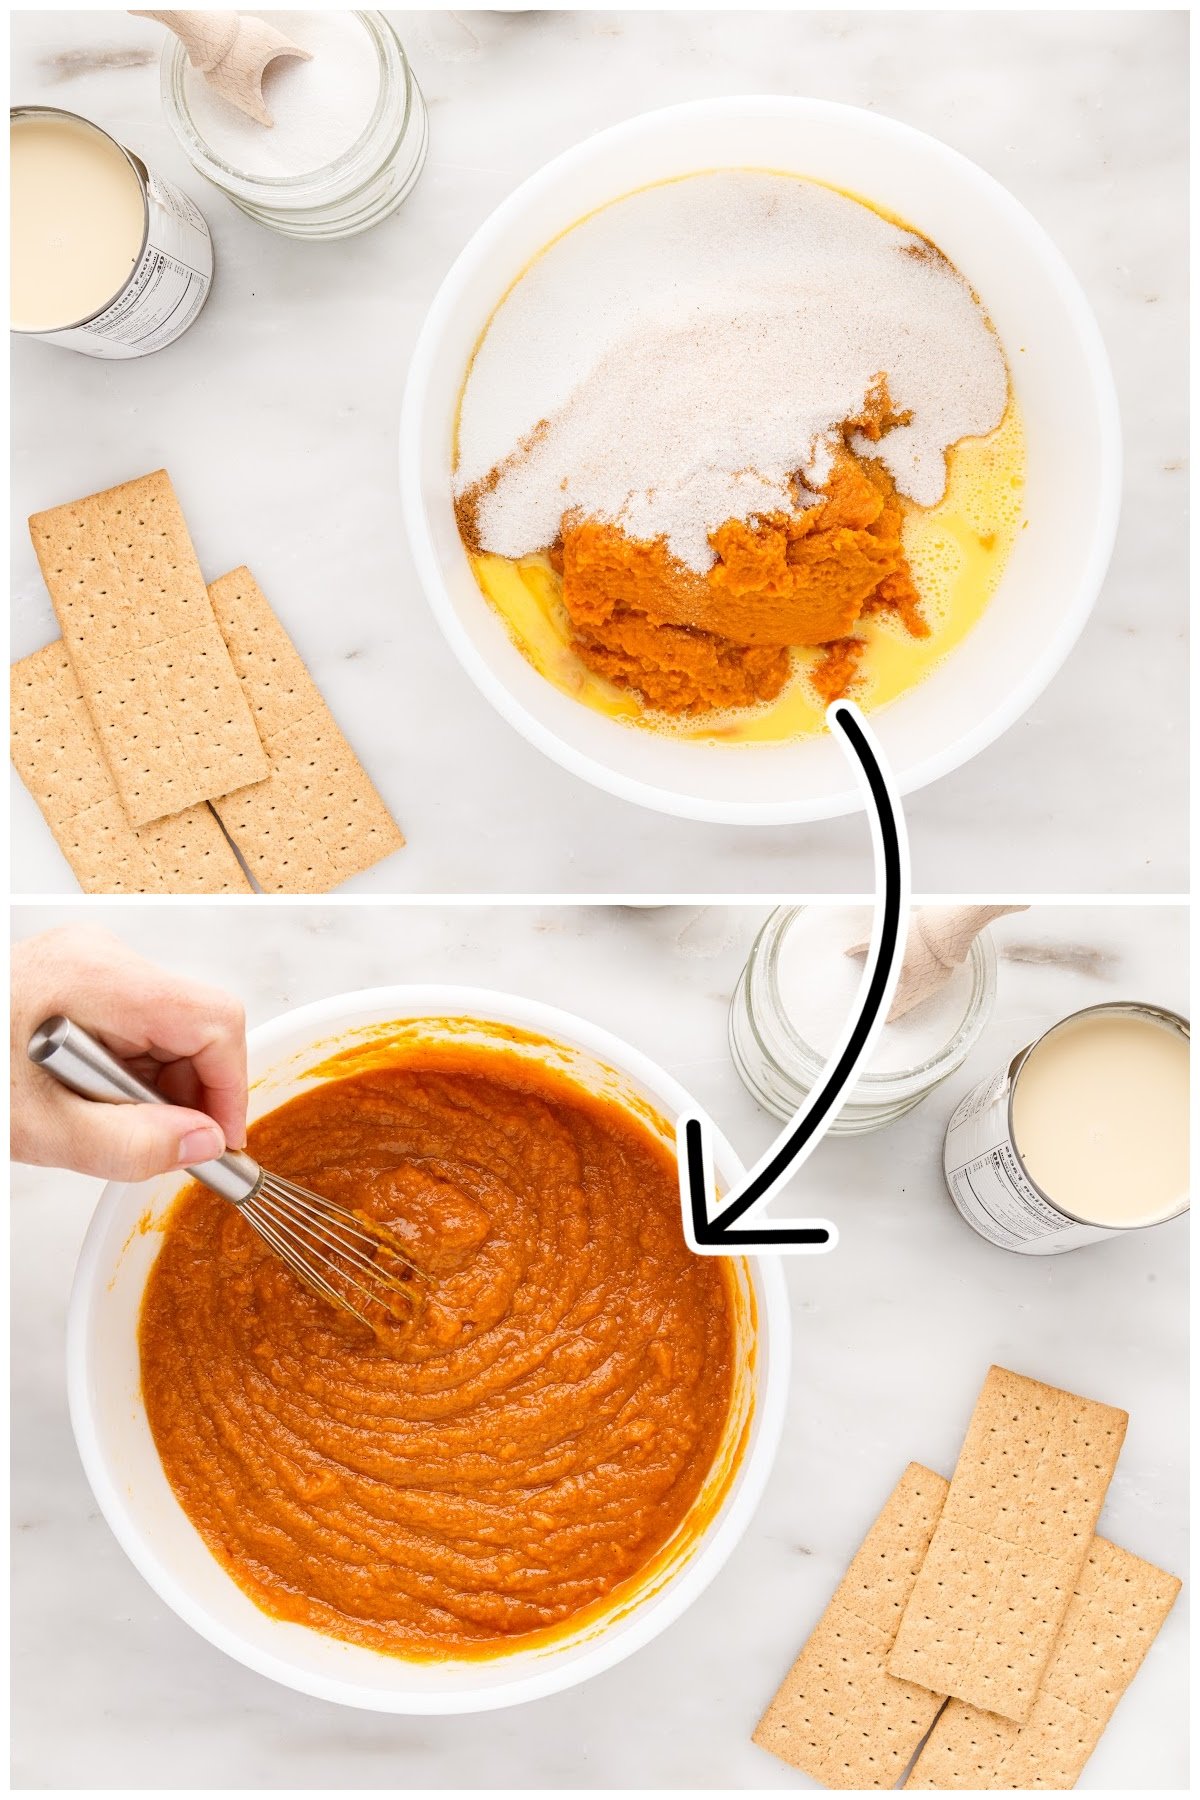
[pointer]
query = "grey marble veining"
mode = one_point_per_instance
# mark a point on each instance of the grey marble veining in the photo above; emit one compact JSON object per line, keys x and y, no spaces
{"x":277,"y":416}
{"x":893,"y":1334}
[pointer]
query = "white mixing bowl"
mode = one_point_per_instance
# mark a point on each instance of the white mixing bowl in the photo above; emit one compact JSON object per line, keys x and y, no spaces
{"x":1063,"y":388}
{"x":122,"y":1463}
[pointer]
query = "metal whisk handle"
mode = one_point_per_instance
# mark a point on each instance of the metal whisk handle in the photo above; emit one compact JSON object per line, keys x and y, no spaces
{"x":74,"y":1057}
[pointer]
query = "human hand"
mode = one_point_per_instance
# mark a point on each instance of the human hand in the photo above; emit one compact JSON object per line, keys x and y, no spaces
{"x":185,"y":1039}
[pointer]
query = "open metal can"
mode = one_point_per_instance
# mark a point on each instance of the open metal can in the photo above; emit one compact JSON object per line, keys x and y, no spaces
{"x":171,"y":273}
{"x":986,"y":1173}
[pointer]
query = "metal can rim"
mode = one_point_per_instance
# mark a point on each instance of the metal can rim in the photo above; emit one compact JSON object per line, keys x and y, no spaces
{"x":1017,"y":1063}
{"x":141,"y":177}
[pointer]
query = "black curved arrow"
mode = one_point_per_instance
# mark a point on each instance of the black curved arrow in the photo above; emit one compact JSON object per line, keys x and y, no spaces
{"x":714,"y":1236}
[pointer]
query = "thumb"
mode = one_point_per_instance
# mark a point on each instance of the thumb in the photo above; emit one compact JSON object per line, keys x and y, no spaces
{"x":132,"y":1143}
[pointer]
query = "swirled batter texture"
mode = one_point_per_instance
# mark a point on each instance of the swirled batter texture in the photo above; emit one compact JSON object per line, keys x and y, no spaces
{"x":528,"y":1443}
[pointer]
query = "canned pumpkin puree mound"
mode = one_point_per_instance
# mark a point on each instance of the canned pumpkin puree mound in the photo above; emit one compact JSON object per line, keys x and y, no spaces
{"x":507,"y":1466}
{"x":733,"y":446}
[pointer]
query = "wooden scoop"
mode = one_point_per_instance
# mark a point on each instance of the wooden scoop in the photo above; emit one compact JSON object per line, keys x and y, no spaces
{"x":939,"y":937}
{"x":231,"y":51}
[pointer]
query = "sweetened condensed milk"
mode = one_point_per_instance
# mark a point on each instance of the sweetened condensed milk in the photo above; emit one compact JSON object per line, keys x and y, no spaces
{"x":1100,"y":1117}
{"x":78,"y":220}
{"x":105,"y":256}
{"x":1084,"y":1135}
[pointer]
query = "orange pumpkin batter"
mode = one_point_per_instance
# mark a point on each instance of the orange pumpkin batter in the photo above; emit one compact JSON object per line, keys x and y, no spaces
{"x":527,"y":1444}
{"x":690,"y":643}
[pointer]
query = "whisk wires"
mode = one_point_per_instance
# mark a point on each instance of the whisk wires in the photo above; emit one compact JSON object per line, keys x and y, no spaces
{"x":344,"y":1257}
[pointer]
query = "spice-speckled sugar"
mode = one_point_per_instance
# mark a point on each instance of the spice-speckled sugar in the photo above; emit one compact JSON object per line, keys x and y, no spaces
{"x":675,"y":359}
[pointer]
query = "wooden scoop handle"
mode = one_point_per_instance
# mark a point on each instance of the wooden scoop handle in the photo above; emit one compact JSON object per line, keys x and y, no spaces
{"x":939,"y":938}
{"x":231,"y":50}
{"x":208,"y":37}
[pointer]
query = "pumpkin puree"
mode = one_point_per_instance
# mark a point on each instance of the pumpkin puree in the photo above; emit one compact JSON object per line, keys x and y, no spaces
{"x":690,"y":643}
{"x":526,"y":1444}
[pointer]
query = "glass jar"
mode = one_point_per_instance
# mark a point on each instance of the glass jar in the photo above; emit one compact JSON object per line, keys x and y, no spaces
{"x":353,"y":192}
{"x":780,"y":1069}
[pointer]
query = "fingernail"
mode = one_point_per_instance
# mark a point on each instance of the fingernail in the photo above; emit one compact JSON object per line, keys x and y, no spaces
{"x":200,"y":1145}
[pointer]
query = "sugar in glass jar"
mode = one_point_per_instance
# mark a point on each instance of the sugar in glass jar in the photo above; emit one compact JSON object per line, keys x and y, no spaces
{"x":796,"y":993}
{"x":349,"y":136}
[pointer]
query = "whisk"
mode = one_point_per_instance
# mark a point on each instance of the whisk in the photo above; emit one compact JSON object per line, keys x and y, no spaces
{"x":342,"y":1256}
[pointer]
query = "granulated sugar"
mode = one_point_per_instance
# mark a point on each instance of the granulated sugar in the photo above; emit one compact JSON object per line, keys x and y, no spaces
{"x":320,"y":108}
{"x":677,"y":358}
{"x":818,"y":986}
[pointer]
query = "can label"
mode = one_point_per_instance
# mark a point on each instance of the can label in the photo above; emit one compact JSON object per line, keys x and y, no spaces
{"x":167,"y":288}
{"x":989,"y":1186}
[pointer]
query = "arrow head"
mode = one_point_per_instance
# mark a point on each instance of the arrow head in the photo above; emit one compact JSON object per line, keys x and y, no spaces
{"x":720,"y":1236}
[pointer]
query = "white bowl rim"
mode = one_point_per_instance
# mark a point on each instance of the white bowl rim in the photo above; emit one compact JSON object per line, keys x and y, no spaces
{"x":1046,"y":659}
{"x":434,"y":1000}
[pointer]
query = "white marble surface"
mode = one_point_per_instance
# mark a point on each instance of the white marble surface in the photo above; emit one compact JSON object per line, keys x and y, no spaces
{"x":893,"y":1333}
{"x":277,"y":418}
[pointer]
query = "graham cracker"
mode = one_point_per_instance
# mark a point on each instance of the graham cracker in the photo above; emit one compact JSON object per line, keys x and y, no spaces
{"x":1117,"y":1611}
{"x":152,"y":665}
{"x":1014,"y":1534}
{"x":839,"y":1716}
{"x":57,"y":755}
{"x":316,"y":819}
